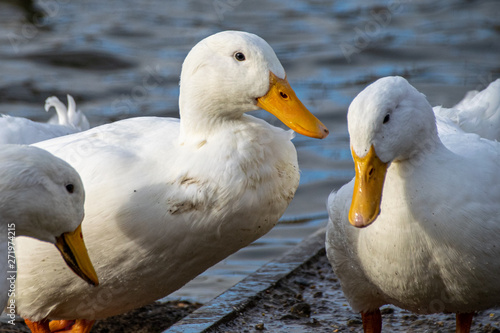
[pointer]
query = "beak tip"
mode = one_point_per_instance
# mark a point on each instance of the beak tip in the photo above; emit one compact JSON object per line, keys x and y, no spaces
{"x":359,"y":222}
{"x":325,"y":132}
{"x":321,"y":132}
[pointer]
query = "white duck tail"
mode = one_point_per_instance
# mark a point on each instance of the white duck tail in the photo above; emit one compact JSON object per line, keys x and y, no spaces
{"x":68,"y":117}
{"x":478,"y":112}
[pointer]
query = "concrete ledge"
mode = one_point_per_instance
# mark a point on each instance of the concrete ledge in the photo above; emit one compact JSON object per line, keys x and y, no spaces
{"x":227,"y":305}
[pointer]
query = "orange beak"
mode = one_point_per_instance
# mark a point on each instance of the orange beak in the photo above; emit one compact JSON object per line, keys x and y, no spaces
{"x":282,"y":102}
{"x":368,"y":186}
{"x":74,"y":253}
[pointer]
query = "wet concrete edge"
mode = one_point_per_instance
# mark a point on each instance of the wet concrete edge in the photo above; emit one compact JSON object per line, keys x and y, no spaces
{"x":226,"y":306}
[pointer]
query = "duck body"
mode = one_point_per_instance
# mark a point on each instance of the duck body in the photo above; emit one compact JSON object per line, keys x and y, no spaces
{"x":168,"y":198}
{"x":410,"y":257}
{"x":202,"y":215}
{"x":478,"y":112}
{"x":17,"y":130}
{"x":433,"y":245}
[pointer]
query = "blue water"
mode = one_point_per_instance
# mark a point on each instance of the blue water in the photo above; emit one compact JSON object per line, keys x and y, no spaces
{"x":122,"y":59}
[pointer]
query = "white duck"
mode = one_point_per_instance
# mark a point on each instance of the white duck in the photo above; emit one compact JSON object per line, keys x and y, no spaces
{"x":69,"y":117}
{"x":434,"y":203}
{"x":41,"y":196}
{"x":167,"y":199}
{"x":478,"y":112}
{"x":17,"y":130}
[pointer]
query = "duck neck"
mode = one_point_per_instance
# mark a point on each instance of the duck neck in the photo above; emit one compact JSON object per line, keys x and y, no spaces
{"x":429,"y":144}
{"x":420,"y":144}
{"x":428,"y":151}
{"x":201,"y":117}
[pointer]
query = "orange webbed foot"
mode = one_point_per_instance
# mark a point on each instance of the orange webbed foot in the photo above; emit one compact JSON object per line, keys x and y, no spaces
{"x":41,"y":326}
{"x":60,"y":326}
{"x":71,"y":326}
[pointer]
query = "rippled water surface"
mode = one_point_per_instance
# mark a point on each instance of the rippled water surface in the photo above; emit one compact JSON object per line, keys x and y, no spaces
{"x":122,"y":59}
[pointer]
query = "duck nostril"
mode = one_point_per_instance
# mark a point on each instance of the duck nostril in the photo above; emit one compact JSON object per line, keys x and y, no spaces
{"x":283,"y":95}
{"x":371,"y":171}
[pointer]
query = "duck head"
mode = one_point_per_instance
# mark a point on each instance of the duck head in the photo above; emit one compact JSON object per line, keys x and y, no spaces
{"x":387,"y":123}
{"x":233,"y":72}
{"x":43,"y":197}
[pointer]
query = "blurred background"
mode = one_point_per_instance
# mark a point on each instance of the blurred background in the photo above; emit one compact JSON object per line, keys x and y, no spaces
{"x":122,"y":59}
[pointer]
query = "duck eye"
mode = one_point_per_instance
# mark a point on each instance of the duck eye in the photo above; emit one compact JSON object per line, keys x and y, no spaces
{"x":386,"y":118}
{"x":239,"y":56}
{"x":70,"y":188}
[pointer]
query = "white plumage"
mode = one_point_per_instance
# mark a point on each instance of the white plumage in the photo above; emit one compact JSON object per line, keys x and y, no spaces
{"x":41,"y":196}
{"x":17,"y":130}
{"x":434,"y":245}
{"x":478,"y":112}
{"x":166,"y":199}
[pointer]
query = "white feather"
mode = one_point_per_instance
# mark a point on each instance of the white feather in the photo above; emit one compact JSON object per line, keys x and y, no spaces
{"x":17,"y":130}
{"x":434,"y":246}
{"x":478,"y":112}
{"x":166,"y":199}
{"x":34,"y":201}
